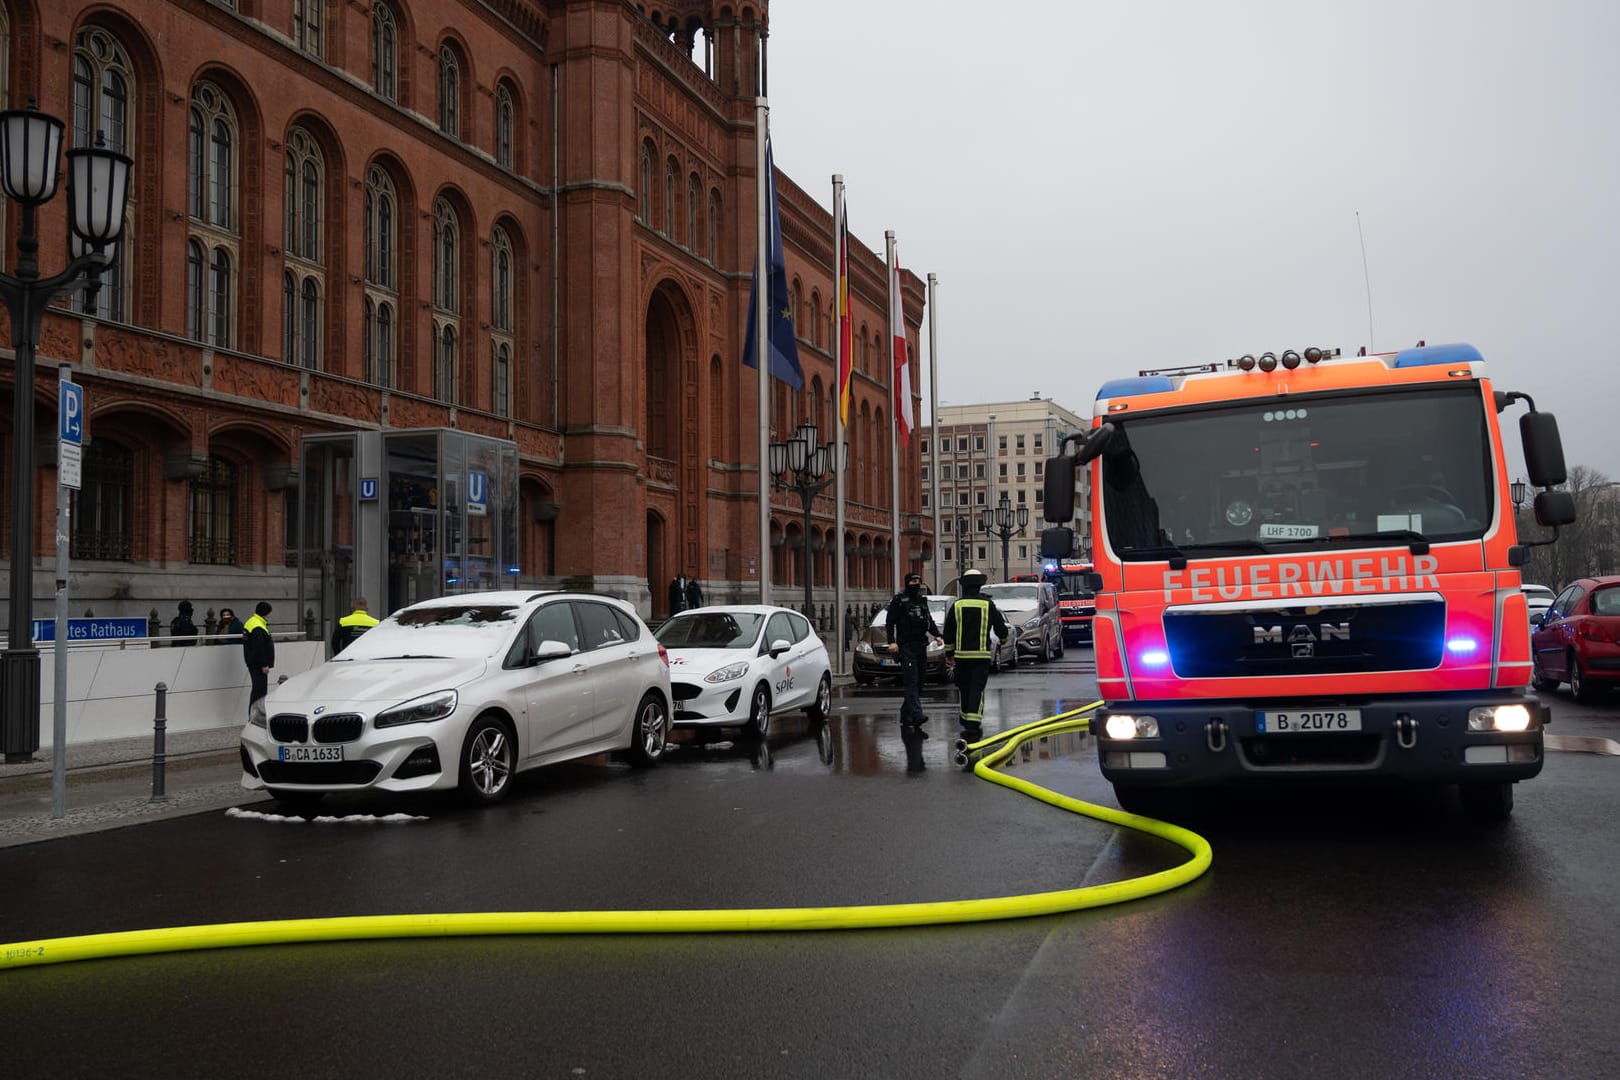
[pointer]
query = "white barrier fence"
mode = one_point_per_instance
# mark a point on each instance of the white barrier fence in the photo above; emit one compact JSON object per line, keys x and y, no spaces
{"x":111,"y":688}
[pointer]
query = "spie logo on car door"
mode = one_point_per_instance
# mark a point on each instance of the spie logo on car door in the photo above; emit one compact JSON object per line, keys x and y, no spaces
{"x":785,"y":683}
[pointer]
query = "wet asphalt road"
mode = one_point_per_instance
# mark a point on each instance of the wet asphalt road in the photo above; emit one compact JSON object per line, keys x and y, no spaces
{"x":1356,"y":935}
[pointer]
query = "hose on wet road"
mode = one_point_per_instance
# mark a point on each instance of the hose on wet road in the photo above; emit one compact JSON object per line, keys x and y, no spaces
{"x":983,"y":755}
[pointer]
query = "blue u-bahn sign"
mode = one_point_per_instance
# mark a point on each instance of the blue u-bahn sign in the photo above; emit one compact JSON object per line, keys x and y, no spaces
{"x":88,"y":630}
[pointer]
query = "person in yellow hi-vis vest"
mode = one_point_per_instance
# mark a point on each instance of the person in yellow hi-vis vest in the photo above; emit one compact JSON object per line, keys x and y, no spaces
{"x":352,"y":626}
{"x":968,"y":623}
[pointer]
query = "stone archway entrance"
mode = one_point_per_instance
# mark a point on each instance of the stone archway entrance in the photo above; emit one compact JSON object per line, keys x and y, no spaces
{"x":658,"y":571}
{"x":674,"y":433}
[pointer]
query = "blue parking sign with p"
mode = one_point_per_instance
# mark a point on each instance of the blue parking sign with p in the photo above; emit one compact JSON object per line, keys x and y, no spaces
{"x":72,"y":413}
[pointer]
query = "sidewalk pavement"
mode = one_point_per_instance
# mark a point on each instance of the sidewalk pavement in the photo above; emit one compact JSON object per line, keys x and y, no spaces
{"x":109,"y":785}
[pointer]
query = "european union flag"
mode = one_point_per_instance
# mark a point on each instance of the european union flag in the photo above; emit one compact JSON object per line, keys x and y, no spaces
{"x":779,"y":319}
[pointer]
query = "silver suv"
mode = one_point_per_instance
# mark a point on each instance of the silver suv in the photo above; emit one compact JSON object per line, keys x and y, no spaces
{"x":1031,"y":610}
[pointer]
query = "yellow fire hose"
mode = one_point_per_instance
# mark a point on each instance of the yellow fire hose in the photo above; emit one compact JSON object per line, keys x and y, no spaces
{"x":363,"y":927}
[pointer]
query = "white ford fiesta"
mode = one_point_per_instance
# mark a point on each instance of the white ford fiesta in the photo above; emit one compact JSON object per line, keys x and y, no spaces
{"x":734,"y":666}
{"x":464,"y":691}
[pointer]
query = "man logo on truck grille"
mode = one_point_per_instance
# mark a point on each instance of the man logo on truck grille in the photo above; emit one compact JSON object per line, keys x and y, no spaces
{"x":1302,"y":639}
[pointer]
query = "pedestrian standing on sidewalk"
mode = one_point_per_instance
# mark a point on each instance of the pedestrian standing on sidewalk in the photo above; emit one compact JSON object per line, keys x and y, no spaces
{"x":910,"y":627}
{"x":968,"y":624}
{"x":259,"y":653}
{"x":352,"y":625}
{"x":182,"y":630}
{"x":229,"y":631}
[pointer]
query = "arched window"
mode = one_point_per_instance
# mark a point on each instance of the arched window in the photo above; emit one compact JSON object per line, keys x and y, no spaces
{"x":644,"y":201}
{"x":449,"y":92}
{"x":196,"y":309}
{"x":211,"y":530}
{"x":305,"y":280}
{"x":793,"y":306}
{"x":816,"y":326}
{"x":382,"y":297}
{"x":672,"y":169}
{"x":714,"y":226}
{"x":692,"y":189}
{"x":501,"y":308}
{"x":212,"y":160}
{"x":103,"y":87}
{"x":505,"y":120}
{"x":307,"y":20}
{"x":446,"y":294}
{"x":384,"y":51}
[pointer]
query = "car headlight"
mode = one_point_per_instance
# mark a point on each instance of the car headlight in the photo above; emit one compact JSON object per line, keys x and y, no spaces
{"x":428,"y":707}
{"x":256,"y":715}
{"x":863,"y":646}
{"x":727,"y":673}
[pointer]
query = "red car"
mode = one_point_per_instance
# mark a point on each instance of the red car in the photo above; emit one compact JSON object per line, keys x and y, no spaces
{"x":1577,"y":640}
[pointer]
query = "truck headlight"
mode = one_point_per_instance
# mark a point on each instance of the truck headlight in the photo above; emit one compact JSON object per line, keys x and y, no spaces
{"x":1123,"y":726}
{"x":1499,"y":718}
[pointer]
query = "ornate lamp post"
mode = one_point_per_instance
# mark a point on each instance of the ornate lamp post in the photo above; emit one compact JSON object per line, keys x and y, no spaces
{"x":98,"y":189}
{"x":1520,"y":490}
{"x":1000,"y":522}
{"x":800,"y":465}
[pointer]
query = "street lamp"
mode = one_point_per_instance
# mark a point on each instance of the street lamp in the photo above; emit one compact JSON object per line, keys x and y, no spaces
{"x":1519,"y":489}
{"x":1000,"y":522}
{"x":798,"y":464}
{"x":98,"y":190}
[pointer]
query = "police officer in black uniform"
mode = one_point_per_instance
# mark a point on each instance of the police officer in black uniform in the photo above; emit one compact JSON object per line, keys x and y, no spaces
{"x":968,"y":624}
{"x":911,"y":626}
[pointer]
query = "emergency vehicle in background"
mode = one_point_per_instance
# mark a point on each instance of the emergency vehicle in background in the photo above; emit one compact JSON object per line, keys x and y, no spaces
{"x":1307,"y":570}
{"x":1077,"y":604}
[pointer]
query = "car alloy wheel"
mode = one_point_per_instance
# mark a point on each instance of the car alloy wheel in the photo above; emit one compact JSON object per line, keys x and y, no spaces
{"x":1539,"y":678}
{"x":821,"y":708}
{"x":1580,"y":688}
{"x":759,"y":712}
{"x":650,"y":731}
{"x":487,"y":760}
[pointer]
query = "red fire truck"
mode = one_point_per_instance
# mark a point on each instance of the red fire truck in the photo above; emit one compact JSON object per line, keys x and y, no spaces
{"x":1307,"y":570}
{"x":1077,"y":604}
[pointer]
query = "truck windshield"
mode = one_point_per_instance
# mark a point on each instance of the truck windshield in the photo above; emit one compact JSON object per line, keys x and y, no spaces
{"x":1367,"y":469}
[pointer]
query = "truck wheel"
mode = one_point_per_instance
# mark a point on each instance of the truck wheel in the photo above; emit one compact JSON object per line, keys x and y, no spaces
{"x":1487,"y":802}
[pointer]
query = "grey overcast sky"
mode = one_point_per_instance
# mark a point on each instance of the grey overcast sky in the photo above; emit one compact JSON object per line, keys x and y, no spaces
{"x":1107,"y":186}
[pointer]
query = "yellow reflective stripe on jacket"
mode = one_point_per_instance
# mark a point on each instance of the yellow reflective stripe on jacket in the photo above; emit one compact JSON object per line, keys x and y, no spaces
{"x":255,"y":622}
{"x":357,"y":618}
{"x":978,"y":649}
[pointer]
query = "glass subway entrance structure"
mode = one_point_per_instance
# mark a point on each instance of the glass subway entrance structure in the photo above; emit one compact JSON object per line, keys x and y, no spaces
{"x":402,"y":516}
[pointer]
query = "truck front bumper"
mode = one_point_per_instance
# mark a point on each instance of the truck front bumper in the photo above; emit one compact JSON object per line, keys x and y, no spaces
{"x":1418,"y":739}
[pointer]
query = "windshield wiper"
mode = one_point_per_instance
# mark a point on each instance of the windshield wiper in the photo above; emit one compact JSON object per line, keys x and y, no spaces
{"x":1414,"y":539}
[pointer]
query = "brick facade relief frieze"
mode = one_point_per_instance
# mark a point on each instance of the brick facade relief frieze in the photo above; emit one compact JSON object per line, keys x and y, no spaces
{"x":259,"y":380}
{"x":147,"y":356}
{"x":413,"y":412}
{"x":350,"y":401}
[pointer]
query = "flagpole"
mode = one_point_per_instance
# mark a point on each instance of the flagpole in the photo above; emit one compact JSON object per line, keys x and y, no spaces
{"x":933,"y":425}
{"x":894,"y":421}
{"x":762,"y":342}
{"x":840,"y":455}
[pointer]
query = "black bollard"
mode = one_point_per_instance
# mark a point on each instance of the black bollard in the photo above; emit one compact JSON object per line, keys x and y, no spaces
{"x":160,"y":725}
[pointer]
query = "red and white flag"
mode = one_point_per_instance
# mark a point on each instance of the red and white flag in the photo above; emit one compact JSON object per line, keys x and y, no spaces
{"x":902,"y":370}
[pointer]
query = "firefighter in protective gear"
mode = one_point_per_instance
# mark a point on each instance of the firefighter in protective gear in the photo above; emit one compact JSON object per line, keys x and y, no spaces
{"x":352,"y":626}
{"x":968,"y":625}
{"x":910,"y":626}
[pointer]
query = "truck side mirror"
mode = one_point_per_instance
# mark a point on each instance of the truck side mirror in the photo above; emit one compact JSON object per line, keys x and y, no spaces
{"x":1058,"y":498}
{"x":1543,"y":451}
{"x":1057,"y":542}
{"x":1554,"y":508}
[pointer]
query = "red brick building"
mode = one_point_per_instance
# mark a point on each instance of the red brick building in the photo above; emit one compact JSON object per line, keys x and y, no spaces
{"x":526,"y":219}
